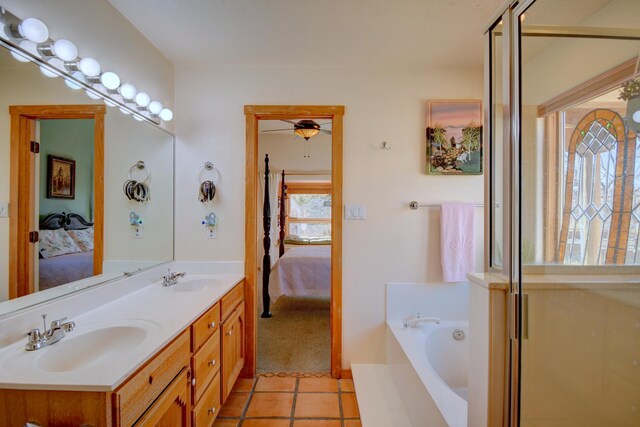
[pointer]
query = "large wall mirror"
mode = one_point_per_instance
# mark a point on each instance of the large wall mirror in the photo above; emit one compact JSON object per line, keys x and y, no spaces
{"x":77,"y":226}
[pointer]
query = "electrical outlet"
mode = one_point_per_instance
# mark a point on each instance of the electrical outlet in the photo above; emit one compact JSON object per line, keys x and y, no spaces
{"x":136,"y":232}
{"x":212,"y":231}
{"x":4,"y":210}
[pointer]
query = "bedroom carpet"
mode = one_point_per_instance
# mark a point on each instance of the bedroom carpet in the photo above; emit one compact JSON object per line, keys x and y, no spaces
{"x":297,"y":338}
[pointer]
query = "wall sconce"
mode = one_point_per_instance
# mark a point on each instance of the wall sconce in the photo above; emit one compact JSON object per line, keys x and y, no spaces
{"x":28,"y":40}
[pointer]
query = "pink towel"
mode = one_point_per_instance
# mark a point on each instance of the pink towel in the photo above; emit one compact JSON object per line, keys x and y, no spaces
{"x":457,"y":241}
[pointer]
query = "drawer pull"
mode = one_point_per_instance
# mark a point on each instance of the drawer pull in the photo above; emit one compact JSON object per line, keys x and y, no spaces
{"x":212,"y":363}
{"x":193,"y":381}
{"x":230,"y":332}
{"x":150,"y":379}
{"x":212,"y":411}
{"x":212,"y":325}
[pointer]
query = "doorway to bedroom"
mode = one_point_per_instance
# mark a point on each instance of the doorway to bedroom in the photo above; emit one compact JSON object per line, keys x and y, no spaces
{"x":293,"y":242}
{"x":294,"y":273}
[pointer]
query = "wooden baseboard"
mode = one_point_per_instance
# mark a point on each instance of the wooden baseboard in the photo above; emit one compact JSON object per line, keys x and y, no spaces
{"x":347,"y":374}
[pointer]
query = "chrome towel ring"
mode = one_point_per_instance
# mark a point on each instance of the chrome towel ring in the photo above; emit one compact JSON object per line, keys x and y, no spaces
{"x":134,"y":189}
{"x":208,"y":176}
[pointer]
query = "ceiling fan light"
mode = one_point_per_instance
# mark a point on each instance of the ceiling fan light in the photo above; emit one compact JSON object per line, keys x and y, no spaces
{"x":306,"y":133}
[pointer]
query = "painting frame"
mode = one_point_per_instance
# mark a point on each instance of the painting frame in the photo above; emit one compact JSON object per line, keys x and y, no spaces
{"x":462,"y":154}
{"x":61,"y":178}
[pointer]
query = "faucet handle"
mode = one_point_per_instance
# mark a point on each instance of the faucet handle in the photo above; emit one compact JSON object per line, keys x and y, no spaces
{"x":69,"y":326}
{"x":34,"y":335}
{"x":57,"y":323}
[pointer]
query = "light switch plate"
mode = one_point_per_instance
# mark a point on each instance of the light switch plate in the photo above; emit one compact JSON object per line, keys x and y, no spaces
{"x":355,"y":211}
{"x":4,"y":210}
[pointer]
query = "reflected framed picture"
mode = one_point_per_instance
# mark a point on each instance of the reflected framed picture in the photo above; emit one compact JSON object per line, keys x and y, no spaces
{"x":61,"y":178}
{"x":454,"y":137}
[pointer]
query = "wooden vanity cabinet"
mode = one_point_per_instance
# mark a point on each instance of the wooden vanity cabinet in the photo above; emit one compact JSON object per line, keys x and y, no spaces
{"x":173,"y":407}
{"x":233,"y":345}
{"x":182,"y":385}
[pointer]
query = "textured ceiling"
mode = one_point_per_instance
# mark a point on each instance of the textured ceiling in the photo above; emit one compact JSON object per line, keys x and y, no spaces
{"x":309,"y":32}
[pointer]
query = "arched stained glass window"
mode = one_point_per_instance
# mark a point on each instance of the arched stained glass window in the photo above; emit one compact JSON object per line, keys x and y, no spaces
{"x":600,"y":194}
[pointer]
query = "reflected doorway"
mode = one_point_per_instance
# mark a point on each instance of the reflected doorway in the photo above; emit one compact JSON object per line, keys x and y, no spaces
{"x":56,"y":178}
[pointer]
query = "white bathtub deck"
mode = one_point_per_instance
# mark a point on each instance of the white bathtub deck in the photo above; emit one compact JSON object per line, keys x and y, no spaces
{"x":378,"y":399}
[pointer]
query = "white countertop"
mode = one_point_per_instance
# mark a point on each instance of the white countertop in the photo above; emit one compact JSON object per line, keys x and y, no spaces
{"x":166,"y":310}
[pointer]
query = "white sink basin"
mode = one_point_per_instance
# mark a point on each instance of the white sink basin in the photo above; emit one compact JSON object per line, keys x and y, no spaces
{"x":196,"y":284}
{"x":86,"y":347}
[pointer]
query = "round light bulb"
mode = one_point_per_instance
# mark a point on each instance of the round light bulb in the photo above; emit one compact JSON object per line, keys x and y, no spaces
{"x":110,"y":80}
{"x":110,"y":103}
{"x":34,"y":30}
{"x":143,"y":99}
{"x":138,"y":118}
{"x":128,"y":91}
{"x":73,"y":85}
{"x":28,"y":46}
{"x":65,"y":50}
{"x":89,"y":67}
{"x":166,"y":115}
{"x":636,"y":116}
{"x":19,"y":56}
{"x":48,"y":72}
{"x":155,"y":107}
{"x":123,"y":111}
{"x":92,"y":95}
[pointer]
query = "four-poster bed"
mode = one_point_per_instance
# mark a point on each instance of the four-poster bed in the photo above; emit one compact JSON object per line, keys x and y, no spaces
{"x":300,"y":271}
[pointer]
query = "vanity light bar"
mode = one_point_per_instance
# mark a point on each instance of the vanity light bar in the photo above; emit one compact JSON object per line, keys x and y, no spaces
{"x":29,"y":39}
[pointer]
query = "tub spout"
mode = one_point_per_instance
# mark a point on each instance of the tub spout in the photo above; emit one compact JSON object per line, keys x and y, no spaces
{"x":418,"y":319}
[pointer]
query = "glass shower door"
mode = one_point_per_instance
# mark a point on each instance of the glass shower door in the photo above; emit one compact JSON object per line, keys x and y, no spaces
{"x":579,"y":222}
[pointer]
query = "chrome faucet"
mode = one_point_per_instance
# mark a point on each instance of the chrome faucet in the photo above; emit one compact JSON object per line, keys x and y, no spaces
{"x":55,"y":333}
{"x":412,"y":322}
{"x":172,"y":278}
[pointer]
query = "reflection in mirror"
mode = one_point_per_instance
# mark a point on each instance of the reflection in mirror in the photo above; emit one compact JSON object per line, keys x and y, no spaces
{"x":76,"y":190}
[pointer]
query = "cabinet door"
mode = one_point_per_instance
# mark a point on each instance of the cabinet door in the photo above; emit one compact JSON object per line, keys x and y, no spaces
{"x":173,"y":407}
{"x":232,"y":349}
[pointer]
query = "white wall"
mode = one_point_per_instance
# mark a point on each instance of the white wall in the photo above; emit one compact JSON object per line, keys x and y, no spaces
{"x":101,"y":32}
{"x":394,"y":243}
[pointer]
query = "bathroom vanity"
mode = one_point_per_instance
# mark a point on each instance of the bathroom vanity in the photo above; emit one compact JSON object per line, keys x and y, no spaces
{"x":199,"y":324}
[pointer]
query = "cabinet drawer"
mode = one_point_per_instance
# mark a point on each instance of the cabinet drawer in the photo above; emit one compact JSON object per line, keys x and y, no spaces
{"x":205,"y":364}
{"x":204,"y":328}
{"x":133,"y":398}
{"x":232,"y":299}
{"x":206,"y":411}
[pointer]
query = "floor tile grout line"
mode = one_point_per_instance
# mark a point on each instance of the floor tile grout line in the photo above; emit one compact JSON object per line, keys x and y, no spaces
{"x":340,"y":402}
{"x":247,"y":403}
{"x":295,"y":399}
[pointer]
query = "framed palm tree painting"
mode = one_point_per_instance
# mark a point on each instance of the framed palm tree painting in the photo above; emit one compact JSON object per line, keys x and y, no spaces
{"x":454,"y":137}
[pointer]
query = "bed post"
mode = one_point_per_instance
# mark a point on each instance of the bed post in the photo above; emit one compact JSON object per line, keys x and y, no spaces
{"x":283,"y":217}
{"x":266,"y":259}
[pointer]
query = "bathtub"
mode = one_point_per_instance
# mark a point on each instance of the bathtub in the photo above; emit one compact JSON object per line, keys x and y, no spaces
{"x":430,"y":370}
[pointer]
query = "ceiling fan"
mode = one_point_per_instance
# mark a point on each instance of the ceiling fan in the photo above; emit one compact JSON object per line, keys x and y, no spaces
{"x":304,"y":128}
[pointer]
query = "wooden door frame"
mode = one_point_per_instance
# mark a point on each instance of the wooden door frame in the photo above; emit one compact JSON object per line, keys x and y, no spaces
{"x":253,"y":113}
{"x":22,"y":175}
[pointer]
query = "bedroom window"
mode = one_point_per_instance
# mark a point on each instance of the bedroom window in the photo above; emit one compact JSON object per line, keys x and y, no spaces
{"x":308,"y":207}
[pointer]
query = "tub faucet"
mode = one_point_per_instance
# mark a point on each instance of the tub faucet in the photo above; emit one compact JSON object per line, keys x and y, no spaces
{"x":49,"y":336}
{"x":412,"y":322}
{"x":172,"y":278}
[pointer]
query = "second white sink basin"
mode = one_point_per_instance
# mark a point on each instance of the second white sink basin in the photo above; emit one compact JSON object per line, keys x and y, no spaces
{"x":195,"y":284}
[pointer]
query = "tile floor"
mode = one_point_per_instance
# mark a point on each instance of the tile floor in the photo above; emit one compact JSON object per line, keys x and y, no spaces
{"x":291,"y":402}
